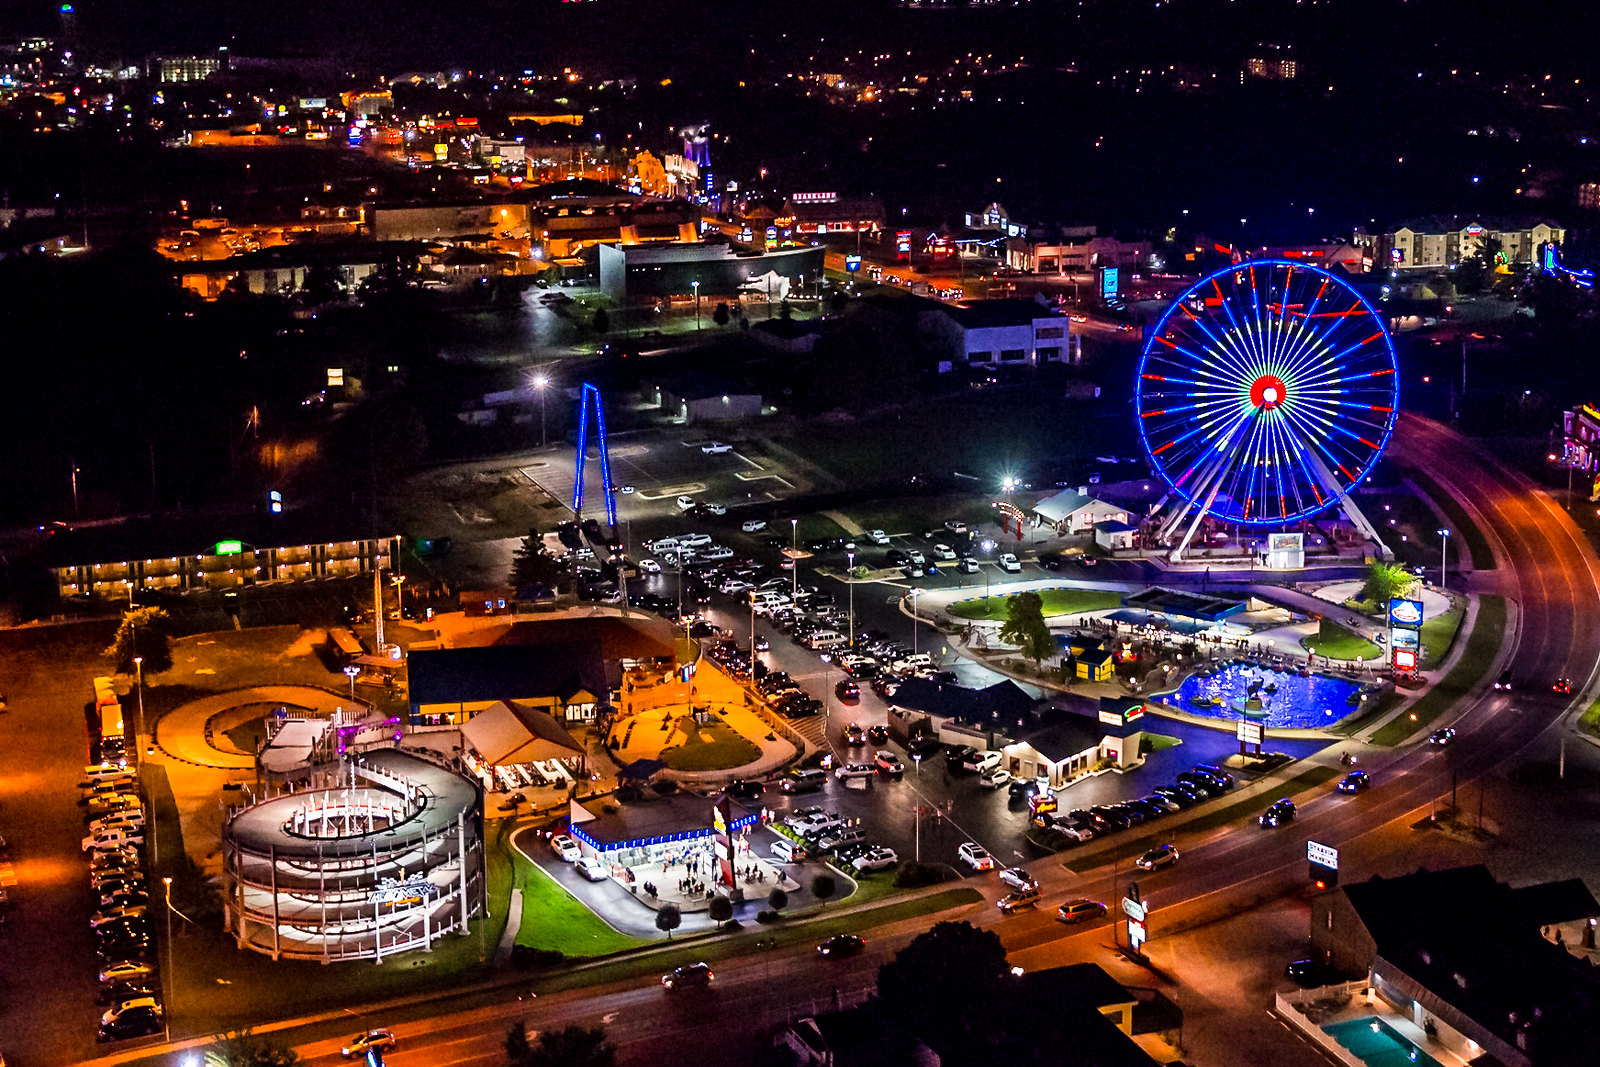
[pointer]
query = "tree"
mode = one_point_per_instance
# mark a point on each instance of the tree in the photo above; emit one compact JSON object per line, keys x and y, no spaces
{"x":1025,"y":627}
{"x":720,"y":910}
{"x":777,"y":900}
{"x":1475,"y":270}
{"x":532,"y":568}
{"x":602,"y":321}
{"x":241,"y":1048}
{"x":720,"y":314}
{"x":146,"y":633}
{"x":668,"y":919}
{"x":322,"y":285}
{"x":951,"y":981}
{"x":823,"y":886}
{"x":836,"y":301}
{"x":1385,"y":581}
{"x":571,"y":1046}
{"x":785,"y":312}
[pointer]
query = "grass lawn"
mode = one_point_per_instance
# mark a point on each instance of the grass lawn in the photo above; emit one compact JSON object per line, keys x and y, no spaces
{"x":741,"y":941}
{"x":1438,"y":634}
{"x":712,"y":747}
{"x":1482,"y":645}
{"x":1477,"y":544}
{"x":1156,"y":742}
{"x":1336,"y":641}
{"x":1589,"y":721}
{"x":554,"y":919}
{"x":1057,"y":601}
{"x":1240,"y":810}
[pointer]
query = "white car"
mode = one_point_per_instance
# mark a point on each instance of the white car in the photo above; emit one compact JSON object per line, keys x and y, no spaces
{"x":685,"y":503}
{"x":852,"y":771}
{"x":955,"y":526}
{"x":975,"y":856}
{"x":985,"y":761}
{"x":943,"y":552}
{"x":592,"y":869}
{"x":916,"y":558}
{"x":693,"y":540}
{"x":649,"y":566}
{"x":123,"y":970}
{"x":1073,"y":831}
{"x":753,"y":525}
{"x":969,"y":565}
{"x":877,"y":537}
{"x":717,"y":509}
{"x":994,"y":778}
{"x":566,"y":847}
{"x":716,"y":448}
{"x":1018,"y":878}
{"x":133,"y":835}
{"x":716,"y":552}
{"x":1010,"y":564}
{"x":875,"y":859}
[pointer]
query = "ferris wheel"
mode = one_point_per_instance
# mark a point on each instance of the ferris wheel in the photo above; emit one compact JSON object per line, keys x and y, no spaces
{"x":1266,"y":392}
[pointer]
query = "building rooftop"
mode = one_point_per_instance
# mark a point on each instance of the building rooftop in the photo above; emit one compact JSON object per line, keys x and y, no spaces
{"x":1060,"y":734}
{"x":989,"y":314}
{"x":1004,"y":701}
{"x":506,"y":672}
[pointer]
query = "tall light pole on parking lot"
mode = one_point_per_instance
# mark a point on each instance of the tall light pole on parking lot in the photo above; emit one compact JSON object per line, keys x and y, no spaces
{"x":752,"y":598}
{"x":850,"y":580}
{"x":794,"y":559}
{"x":138,"y":737}
{"x":696,"y":286}
{"x":541,"y":384}
{"x":1444,"y":548}
{"x":167,"y":976}
{"x":915,"y":592}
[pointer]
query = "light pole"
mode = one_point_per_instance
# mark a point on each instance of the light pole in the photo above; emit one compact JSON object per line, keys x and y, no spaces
{"x":794,"y":559}
{"x":77,"y":515}
{"x":850,"y":580}
{"x":1444,"y":547}
{"x":351,"y":672}
{"x":752,"y":597}
{"x":695,"y":285}
{"x":399,"y":581}
{"x":138,"y":668}
{"x":988,"y":547}
{"x":172,"y":957}
{"x":540,"y":384}
{"x":915,"y":618}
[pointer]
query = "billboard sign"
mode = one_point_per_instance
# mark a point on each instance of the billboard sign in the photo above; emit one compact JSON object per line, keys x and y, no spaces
{"x":852,"y":263}
{"x":1405,"y":638}
{"x":1404,"y":612}
{"x":1250,"y":733}
{"x":1110,"y":284}
{"x":1134,"y":909}
{"x":1405,"y":659}
{"x":1322,"y":855}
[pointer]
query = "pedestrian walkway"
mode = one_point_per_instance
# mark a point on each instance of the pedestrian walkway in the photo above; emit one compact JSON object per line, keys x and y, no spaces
{"x":689,"y":877}
{"x":185,"y":732}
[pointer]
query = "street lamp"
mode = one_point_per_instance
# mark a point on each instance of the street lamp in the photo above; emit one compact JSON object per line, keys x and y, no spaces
{"x":1444,"y":546}
{"x":138,"y":668}
{"x":351,"y":672}
{"x":794,"y":559}
{"x":695,"y":285}
{"x":172,"y":959}
{"x":752,"y":597}
{"x":399,"y":581}
{"x":540,"y":384}
{"x":850,"y":581}
{"x":988,"y":547}
{"x":915,"y":618}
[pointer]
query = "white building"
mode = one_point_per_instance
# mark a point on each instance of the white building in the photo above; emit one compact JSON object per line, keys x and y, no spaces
{"x":988,"y":333}
{"x":1074,"y":511}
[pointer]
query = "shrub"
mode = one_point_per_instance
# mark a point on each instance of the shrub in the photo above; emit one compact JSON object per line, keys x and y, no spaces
{"x":527,"y":958}
{"x":915,"y":875}
{"x":766,"y":915}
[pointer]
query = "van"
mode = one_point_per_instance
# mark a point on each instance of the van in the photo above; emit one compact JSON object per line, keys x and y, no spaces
{"x":786,"y":851}
{"x":826,"y":641}
{"x":665,"y":544}
{"x":804,"y":782}
{"x":693,"y":540}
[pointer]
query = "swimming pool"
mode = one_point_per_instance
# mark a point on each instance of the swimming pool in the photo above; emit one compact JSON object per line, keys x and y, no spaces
{"x":1288,"y":700}
{"x":1378,"y":1044}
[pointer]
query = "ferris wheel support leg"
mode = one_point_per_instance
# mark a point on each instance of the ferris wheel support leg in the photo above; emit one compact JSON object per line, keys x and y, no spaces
{"x":1360,"y":522}
{"x":1200,"y":514}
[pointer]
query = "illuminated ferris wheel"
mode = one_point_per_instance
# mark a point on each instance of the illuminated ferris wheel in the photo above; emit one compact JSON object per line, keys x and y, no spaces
{"x":1266,"y":392}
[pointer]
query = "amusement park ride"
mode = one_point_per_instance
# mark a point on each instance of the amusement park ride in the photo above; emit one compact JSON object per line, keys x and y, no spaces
{"x":1266,"y":393}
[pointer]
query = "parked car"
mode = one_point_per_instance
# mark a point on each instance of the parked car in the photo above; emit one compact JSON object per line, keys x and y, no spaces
{"x":877,"y":537}
{"x":994,"y":778}
{"x":122,"y":970}
{"x":1080,"y":910}
{"x":1160,"y":856}
{"x":753,"y":525}
{"x":716,"y":448}
{"x":851,"y":771}
{"x":1010,"y":564}
{"x":841,"y":838}
{"x":875,"y":859}
{"x":136,"y":1019}
{"x":955,"y":526}
{"x":840,"y":946}
{"x":1308,"y":974}
{"x":975,"y":856}
{"x":968,"y":565}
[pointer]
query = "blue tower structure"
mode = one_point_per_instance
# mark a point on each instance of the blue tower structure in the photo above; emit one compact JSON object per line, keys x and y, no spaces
{"x":590,"y":389}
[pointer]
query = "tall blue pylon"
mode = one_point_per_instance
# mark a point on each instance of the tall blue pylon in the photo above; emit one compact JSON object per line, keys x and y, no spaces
{"x":590,"y":389}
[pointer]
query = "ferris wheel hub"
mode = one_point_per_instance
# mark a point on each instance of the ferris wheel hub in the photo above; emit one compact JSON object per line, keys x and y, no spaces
{"x":1268,"y":391}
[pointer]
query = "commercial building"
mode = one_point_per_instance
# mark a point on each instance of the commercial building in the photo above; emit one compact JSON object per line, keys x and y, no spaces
{"x":451,"y":685}
{"x":1064,"y":745}
{"x":1480,"y":967}
{"x":1442,"y":241}
{"x":987,"y":333}
{"x":822,"y":213}
{"x":385,"y":856}
{"x":635,"y":272}
{"x":1074,"y":511}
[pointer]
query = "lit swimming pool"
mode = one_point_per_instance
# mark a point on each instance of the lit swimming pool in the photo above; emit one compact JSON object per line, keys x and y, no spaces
{"x":1378,"y":1044}
{"x":1280,"y":698}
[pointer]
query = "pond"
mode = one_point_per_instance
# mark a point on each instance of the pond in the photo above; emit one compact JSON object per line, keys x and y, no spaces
{"x":1276,"y":697}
